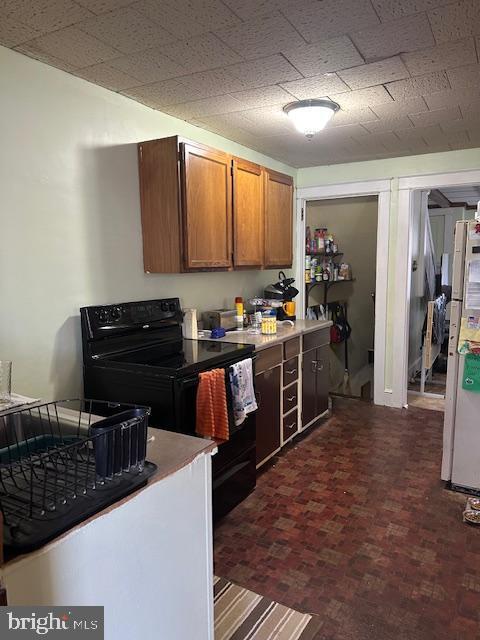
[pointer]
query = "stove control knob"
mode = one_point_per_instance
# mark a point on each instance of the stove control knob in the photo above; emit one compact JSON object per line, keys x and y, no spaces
{"x":115,"y":313}
{"x":103,"y":315}
{"x":164,"y":306}
{"x":172,"y":307}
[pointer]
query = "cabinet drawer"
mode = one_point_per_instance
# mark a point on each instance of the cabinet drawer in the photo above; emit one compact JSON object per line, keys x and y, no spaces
{"x":268,"y":358}
{"x":290,"y":397}
{"x":290,"y":371}
{"x":290,"y":424}
{"x":316,"y":339}
{"x":291,"y":348}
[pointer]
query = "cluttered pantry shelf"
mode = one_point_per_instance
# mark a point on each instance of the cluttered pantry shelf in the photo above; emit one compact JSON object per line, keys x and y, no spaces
{"x":328,"y":284}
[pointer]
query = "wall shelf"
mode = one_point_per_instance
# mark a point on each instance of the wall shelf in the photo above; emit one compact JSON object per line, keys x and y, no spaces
{"x":328,"y":283}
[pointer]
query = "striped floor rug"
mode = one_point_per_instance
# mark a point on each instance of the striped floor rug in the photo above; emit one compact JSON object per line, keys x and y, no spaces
{"x":244,"y":615}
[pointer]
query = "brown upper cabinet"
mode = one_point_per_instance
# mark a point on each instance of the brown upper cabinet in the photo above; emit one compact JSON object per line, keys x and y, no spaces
{"x":248,"y":214}
{"x":278,"y":219}
{"x":204,"y":210}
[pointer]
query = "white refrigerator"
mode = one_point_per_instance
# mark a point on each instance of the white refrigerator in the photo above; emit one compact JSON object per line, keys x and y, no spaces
{"x":461,"y":431}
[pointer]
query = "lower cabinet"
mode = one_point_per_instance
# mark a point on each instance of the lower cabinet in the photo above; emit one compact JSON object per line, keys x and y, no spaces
{"x":315,"y":383}
{"x":268,"y":389}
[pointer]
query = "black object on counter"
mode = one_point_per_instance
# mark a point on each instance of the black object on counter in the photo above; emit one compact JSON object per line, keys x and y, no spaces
{"x":61,"y":462}
{"x":134,"y":352}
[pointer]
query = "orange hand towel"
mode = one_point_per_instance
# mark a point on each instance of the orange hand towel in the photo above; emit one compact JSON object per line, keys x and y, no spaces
{"x":212,"y":412}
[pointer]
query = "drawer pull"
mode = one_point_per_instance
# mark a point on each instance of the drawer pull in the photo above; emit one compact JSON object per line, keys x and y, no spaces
{"x":319,"y":365}
{"x":291,"y":398}
{"x":290,"y":426}
{"x":291,"y":371}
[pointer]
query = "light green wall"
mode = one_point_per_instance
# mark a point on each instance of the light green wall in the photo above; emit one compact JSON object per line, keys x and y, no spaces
{"x":392,"y":169}
{"x":70,"y":218}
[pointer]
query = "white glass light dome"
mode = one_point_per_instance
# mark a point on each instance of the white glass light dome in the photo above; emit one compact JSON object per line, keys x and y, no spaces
{"x":311,"y":116}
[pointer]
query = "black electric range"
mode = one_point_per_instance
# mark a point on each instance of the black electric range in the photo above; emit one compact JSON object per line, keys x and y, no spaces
{"x":134,"y":352}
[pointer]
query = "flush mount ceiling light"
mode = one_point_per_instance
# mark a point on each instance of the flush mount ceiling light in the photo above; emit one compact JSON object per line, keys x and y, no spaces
{"x":311,"y":116}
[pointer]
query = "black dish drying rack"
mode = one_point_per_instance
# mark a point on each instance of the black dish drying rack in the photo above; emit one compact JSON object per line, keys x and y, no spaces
{"x":61,"y":462}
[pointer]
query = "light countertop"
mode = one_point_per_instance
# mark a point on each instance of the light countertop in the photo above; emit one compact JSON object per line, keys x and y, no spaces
{"x":284,"y":332}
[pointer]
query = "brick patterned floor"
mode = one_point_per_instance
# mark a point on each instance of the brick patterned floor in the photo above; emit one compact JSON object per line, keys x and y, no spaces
{"x":353,"y":523}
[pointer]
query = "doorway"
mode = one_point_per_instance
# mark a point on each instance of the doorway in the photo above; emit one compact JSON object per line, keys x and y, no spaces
{"x":340,"y":273}
{"x":434,"y":214}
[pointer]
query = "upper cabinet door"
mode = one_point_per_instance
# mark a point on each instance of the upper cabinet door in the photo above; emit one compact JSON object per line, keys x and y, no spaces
{"x":207,"y":207}
{"x":248,"y":218}
{"x":278,"y":219}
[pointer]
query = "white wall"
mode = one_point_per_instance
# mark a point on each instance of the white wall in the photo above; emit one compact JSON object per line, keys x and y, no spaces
{"x":70,"y":218}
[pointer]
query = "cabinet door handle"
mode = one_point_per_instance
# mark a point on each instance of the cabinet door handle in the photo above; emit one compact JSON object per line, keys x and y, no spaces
{"x":291,"y":371}
{"x":319,"y":365}
{"x":313,"y":366}
{"x":290,"y":426}
{"x":258,"y":398}
{"x":291,"y":398}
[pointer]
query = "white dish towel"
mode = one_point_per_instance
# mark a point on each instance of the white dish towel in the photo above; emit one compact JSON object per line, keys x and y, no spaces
{"x":243,"y":392}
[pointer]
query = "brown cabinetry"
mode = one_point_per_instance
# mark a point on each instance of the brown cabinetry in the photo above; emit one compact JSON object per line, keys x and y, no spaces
{"x":278,"y":219}
{"x":315,"y":377}
{"x":204,"y":210}
{"x":267,"y":386}
{"x":248,"y":214}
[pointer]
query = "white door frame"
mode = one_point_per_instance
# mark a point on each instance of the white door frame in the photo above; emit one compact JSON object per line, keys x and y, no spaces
{"x":406,"y":188}
{"x":381,"y":189}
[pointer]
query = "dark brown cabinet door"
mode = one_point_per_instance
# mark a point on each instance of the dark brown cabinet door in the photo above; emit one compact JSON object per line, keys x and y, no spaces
{"x":278,"y":219}
{"x":268,"y":389}
{"x":323,"y":378}
{"x":207,"y":208}
{"x":309,"y":387}
{"x":248,"y":219}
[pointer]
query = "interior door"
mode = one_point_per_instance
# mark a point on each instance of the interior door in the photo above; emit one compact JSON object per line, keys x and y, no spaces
{"x":268,"y":389}
{"x":248,"y":214}
{"x":278,"y":219}
{"x":207,"y":207}
{"x":309,"y":386}
{"x":323,"y":378}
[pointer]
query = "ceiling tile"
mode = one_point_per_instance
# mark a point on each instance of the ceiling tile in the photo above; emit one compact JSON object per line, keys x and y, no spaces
{"x":188,"y":18}
{"x":419,"y":86}
{"x":13,"y":33}
{"x":400,"y":108}
{"x":149,"y":66}
{"x":455,"y":21}
{"x":462,"y":124}
{"x":205,"y":107}
{"x":107,"y":77}
{"x":369,"y":75}
{"x":443,"y":56}
{"x":127,"y":30}
{"x":428,"y":118}
{"x":399,"y":36}
{"x":74,"y":47}
{"x":200,"y":53}
{"x":214,"y":82}
{"x":391,"y":9}
{"x":331,"y":55}
{"x":264,"y":72}
{"x":331,"y":18}
{"x":262,"y":97}
{"x":362,"y":98}
{"x":472,"y":110}
{"x":161,"y":94}
{"x":261,"y":37}
{"x":316,"y":87}
{"x":450,"y":97}
{"x":352,"y":116}
{"x":29,"y":49}
{"x":465,"y":77}
{"x":103,"y":6}
{"x":44,"y":15}
{"x":388,"y":124}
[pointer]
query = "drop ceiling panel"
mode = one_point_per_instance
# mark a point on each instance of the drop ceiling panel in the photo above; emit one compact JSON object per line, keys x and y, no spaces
{"x":331,"y":18}
{"x":74,"y":47}
{"x":316,"y":87}
{"x":391,"y":38}
{"x":456,"y":20}
{"x":419,"y":86}
{"x":369,"y":75}
{"x":231,"y":65}
{"x":322,"y":57}
{"x":126,"y":30}
{"x":443,"y":56}
{"x":261,"y":37}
